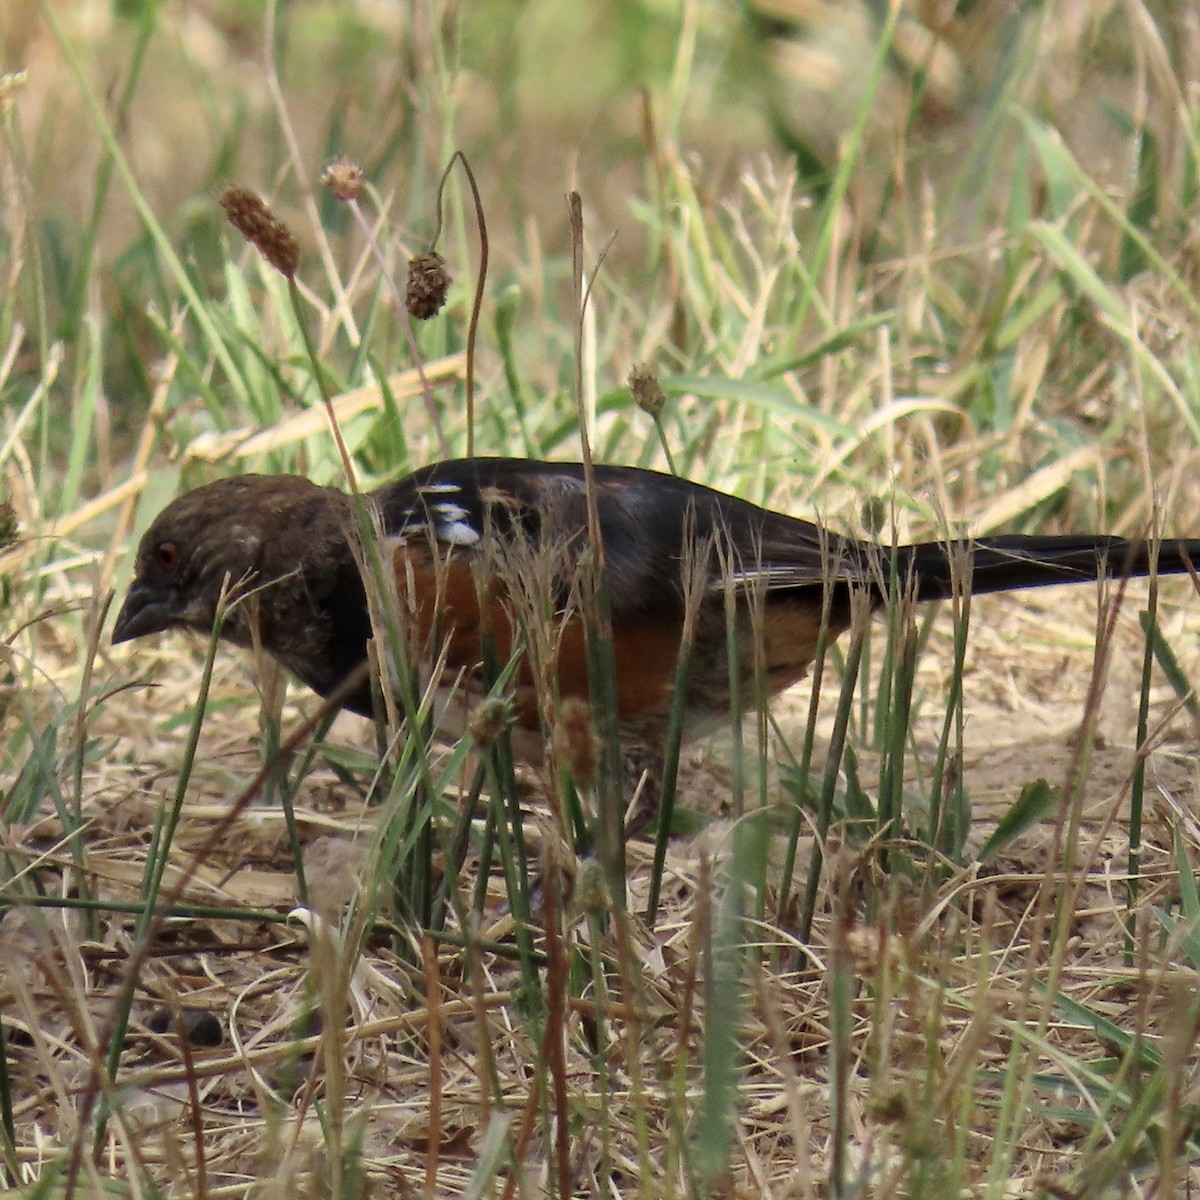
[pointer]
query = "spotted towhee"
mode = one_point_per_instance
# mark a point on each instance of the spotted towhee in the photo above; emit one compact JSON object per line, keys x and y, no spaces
{"x":491,"y":545}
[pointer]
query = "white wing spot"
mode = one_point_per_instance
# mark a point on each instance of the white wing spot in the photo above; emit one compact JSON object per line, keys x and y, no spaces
{"x":450,"y":512}
{"x":440,"y":488}
{"x":458,"y":533}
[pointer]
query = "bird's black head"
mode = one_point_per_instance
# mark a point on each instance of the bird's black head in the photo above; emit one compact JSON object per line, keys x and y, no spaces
{"x":242,"y":534}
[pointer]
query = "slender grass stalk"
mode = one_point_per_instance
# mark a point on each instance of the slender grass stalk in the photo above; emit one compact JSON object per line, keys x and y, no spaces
{"x":383,"y":603}
{"x":480,"y":280}
{"x":896,"y":728}
{"x":945,"y":832}
{"x":86,"y":255}
{"x":699,"y":943}
{"x":697,"y":558}
{"x":154,"y":230}
{"x":1138,"y":783}
{"x":102,"y":1073}
{"x":723,"y":1055}
{"x":1053,"y":910}
{"x":840,"y":985}
{"x":8,"y":1128}
{"x":852,"y":148}
{"x":626,"y":959}
{"x":431,"y":408}
{"x":507,"y":826}
{"x":860,"y":617}
{"x":196,"y":1111}
{"x":733,"y":668}
{"x":556,"y":1023}
{"x":273,"y":688}
{"x":602,"y":1038}
{"x":665,"y":443}
{"x":323,"y":387}
{"x":203,"y":912}
{"x":597,"y":611}
{"x":456,"y":853}
{"x":433,"y":996}
{"x":804,"y":766}
{"x":156,"y":863}
{"x":487,"y":847}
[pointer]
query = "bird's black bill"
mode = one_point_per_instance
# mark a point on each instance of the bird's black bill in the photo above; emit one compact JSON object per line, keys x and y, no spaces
{"x":143,"y":612}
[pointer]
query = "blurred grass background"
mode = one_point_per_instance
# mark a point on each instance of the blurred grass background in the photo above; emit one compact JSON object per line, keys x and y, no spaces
{"x":938,"y":237}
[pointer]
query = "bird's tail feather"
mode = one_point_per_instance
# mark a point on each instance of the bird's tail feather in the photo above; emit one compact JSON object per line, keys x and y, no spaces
{"x":1001,"y":564}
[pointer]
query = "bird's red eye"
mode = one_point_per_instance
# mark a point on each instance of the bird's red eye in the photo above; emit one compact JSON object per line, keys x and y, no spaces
{"x":167,"y":554}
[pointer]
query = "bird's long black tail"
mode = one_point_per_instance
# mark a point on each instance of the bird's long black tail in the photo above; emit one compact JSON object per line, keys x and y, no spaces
{"x":1001,"y":564}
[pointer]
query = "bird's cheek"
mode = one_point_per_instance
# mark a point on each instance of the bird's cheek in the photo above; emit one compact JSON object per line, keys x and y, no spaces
{"x":185,"y":611}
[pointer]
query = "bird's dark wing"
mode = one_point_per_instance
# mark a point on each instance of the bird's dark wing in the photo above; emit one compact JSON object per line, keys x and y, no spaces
{"x":650,"y":524}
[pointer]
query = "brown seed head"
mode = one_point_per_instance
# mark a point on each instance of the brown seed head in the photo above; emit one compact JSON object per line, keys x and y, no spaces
{"x":428,"y":282}
{"x":488,"y":720}
{"x":592,"y":893}
{"x":646,"y":390}
{"x":10,"y":530}
{"x":343,"y":178}
{"x":249,"y":214}
{"x":575,"y":742}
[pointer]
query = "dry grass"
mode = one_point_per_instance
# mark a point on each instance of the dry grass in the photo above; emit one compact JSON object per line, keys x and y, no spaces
{"x":955,"y":976}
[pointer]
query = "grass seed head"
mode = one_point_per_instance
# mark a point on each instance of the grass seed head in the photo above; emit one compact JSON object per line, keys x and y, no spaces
{"x":428,"y":283}
{"x":647,"y":392}
{"x":343,"y":178}
{"x":488,"y":720}
{"x":251,"y":216}
{"x":10,"y":530}
{"x":575,"y":742}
